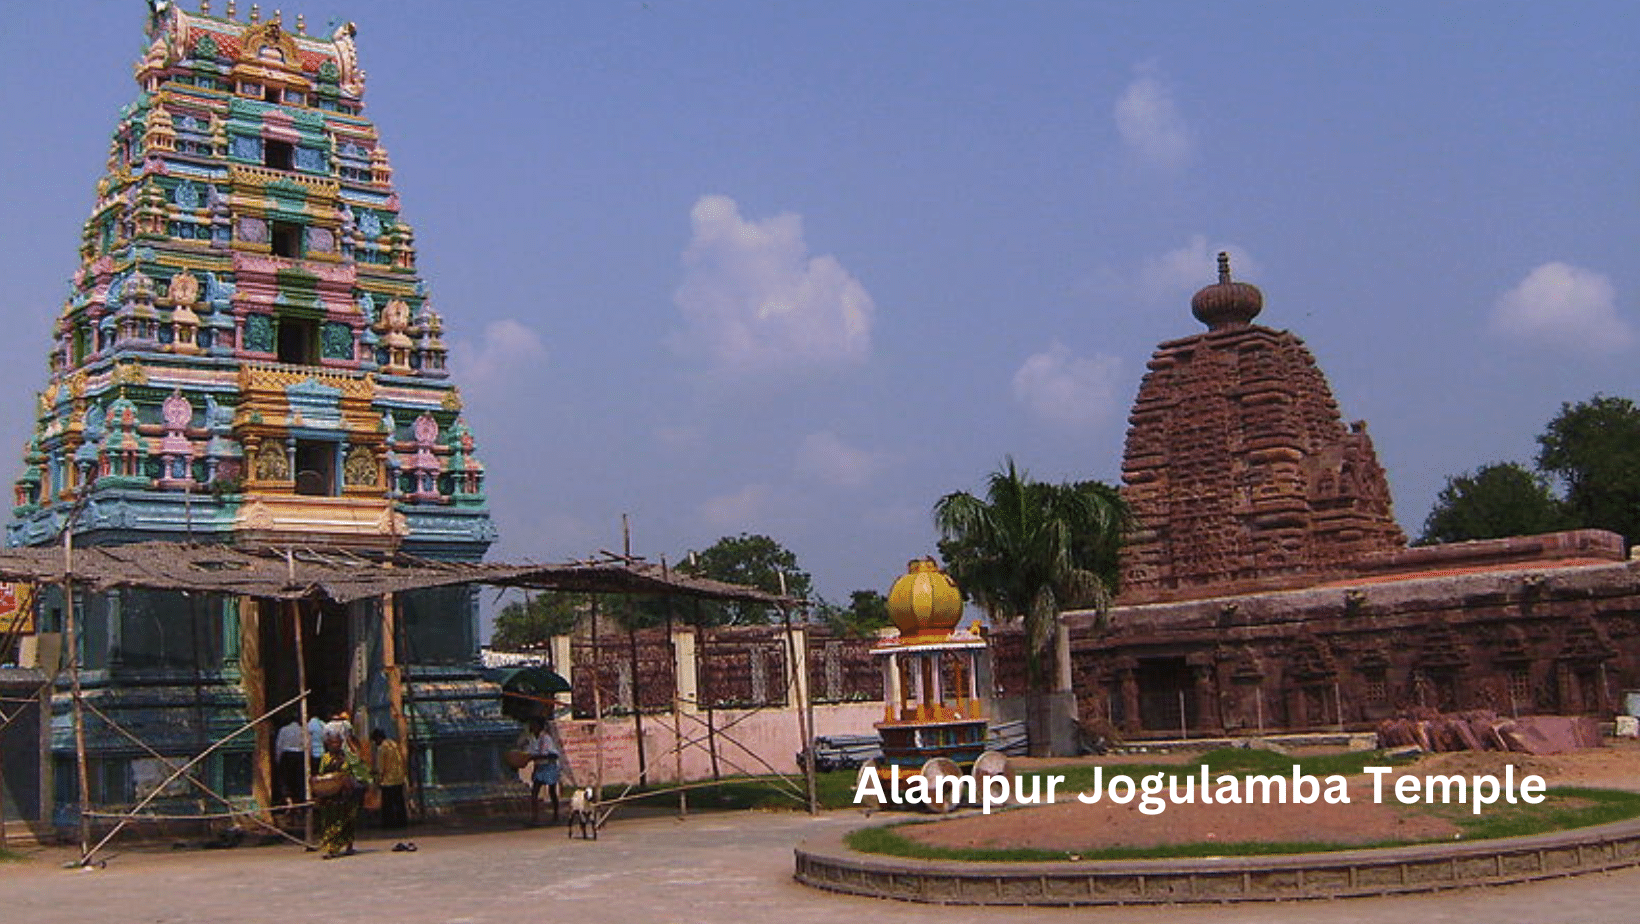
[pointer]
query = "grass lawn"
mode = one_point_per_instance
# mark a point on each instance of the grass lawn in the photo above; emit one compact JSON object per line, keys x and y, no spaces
{"x":1564,"y":808}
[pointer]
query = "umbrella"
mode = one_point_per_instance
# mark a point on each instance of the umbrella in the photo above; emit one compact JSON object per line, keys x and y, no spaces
{"x":524,"y":689}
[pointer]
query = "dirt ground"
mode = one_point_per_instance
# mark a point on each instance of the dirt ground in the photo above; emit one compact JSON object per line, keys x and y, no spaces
{"x":1071,"y":825}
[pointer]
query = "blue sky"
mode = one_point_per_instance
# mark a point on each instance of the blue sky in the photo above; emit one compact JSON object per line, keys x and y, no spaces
{"x":801,"y":268}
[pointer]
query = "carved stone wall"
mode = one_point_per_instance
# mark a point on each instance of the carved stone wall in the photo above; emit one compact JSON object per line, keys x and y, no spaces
{"x":1556,"y":635}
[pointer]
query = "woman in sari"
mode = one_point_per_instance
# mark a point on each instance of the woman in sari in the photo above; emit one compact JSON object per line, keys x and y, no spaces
{"x":339,"y":813}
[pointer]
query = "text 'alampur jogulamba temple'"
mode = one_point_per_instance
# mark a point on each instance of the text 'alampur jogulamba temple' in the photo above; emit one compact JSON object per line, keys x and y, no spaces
{"x":1238,"y":467}
{"x":247,"y":354}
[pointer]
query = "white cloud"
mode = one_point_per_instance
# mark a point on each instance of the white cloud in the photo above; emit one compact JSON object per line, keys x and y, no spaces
{"x":1149,"y":121}
{"x":754,"y":300}
{"x":1181,"y":271}
{"x":827,"y":459}
{"x":1066,"y":390}
{"x":1564,"y":306}
{"x":742,"y":511}
{"x":506,"y":348}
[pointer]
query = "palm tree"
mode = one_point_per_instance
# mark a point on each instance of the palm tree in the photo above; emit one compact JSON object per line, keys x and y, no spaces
{"x":1029,"y":551}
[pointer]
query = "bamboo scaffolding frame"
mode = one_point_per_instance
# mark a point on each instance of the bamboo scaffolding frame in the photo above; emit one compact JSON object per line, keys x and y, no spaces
{"x":198,"y":816}
{"x":85,"y":856}
{"x":234,"y":812}
{"x":234,"y":572}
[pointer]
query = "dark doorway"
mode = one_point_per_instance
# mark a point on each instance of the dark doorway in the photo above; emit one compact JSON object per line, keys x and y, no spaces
{"x":287,"y":239}
{"x":1166,"y":695}
{"x":327,"y":645}
{"x":315,"y":468}
{"x":298,"y":341}
{"x":280,"y":155}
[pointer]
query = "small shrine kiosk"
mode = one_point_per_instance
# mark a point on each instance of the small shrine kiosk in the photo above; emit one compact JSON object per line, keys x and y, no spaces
{"x":934,"y":720}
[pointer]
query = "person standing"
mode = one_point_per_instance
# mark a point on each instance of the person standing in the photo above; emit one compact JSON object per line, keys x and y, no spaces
{"x":391,"y":778}
{"x":342,"y":726}
{"x":339,"y":811}
{"x":547,"y":763}
{"x":316,"y":742}
{"x":289,"y":764}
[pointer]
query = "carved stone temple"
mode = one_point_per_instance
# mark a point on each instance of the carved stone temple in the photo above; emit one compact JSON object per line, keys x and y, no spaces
{"x":1268,"y":589}
{"x":248,"y":354}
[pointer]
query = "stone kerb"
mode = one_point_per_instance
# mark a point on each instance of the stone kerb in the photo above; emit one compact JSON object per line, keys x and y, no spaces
{"x":826,"y":863}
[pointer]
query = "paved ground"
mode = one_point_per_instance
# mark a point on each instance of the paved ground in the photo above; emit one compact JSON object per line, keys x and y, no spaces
{"x":728,"y":868}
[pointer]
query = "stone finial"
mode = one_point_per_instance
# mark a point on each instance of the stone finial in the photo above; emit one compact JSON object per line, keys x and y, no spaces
{"x":204,"y":7}
{"x":256,"y":13}
{"x":1227,"y":303}
{"x":301,"y":24}
{"x":233,"y":8}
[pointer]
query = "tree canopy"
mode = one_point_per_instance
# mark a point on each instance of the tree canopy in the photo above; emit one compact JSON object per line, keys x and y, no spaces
{"x":528,"y":623}
{"x":1593,"y":450}
{"x":1497,"y":500}
{"x":751,"y":560}
{"x":1590,"y":450}
{"x":1030,"y":549}
{"x":867,"y":611}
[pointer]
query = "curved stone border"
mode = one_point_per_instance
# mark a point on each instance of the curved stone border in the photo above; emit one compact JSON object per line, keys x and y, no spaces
{"x":825,"y":863}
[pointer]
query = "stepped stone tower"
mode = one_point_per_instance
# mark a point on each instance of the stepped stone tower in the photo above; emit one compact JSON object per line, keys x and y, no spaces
{"x":247,"y":354}
{"x":1238,"y":467}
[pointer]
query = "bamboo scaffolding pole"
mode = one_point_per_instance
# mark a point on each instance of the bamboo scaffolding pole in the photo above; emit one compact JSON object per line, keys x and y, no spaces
{"x":637,"y":693}
{"x":808,"y":713}
{"x":799,"y":686}
{"x":191,"y":816}
{"x":632,"y":657}
{"x":71,"y":629}
{"x":85,"y":859}
{"x":677,"y":703}
{"x":395,"y":680}
{"x":295,"y":612}
{"x":597,"y":706}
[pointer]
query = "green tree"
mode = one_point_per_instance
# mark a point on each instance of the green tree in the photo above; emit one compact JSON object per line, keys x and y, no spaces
{"x":1028,"y":551}
{"x":528,"y":623}
{"x":1593,"y":449}
{"x":750,"y":560}
{"x":1498,"y":500}
{"x":867,"y":611}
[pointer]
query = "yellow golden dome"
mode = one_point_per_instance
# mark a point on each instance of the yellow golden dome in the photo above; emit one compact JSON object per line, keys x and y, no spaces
{"x":924,"y":602}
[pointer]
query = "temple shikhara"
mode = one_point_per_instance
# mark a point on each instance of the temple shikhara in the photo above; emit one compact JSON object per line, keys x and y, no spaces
{"x":249,"y":355}
{"x":1238,"y":467}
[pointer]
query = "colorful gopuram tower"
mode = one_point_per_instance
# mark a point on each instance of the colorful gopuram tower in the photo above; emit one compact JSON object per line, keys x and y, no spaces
{"x":249,"y":355}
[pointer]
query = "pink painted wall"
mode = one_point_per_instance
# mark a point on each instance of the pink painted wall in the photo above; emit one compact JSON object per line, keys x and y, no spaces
{"x":748,"y":742}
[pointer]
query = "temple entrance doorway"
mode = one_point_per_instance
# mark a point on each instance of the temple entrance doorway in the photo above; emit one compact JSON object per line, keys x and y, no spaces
{"x":1167,"y":701}
{"x":326,"y":646}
